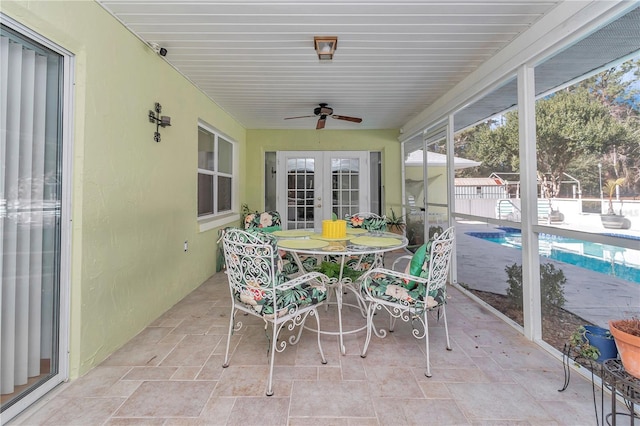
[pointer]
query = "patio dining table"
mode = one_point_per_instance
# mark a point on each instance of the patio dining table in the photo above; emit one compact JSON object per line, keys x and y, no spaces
{"x":357,"y":244}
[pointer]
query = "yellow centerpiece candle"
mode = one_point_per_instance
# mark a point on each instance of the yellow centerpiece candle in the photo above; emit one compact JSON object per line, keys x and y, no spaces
{"x":334,"y":228}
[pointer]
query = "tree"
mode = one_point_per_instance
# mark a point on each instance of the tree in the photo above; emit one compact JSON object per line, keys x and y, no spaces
{"x":570,"y":127}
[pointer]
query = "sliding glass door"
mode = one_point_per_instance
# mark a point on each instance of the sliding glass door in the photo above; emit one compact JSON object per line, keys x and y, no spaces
{"x":31,"y":194}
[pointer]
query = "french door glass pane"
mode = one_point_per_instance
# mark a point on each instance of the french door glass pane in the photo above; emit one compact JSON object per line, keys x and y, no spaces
{"x":345,"y":186}
{"x":300,"y":193}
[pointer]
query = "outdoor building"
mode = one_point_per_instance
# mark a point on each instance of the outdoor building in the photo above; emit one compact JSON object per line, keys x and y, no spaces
{"x":134,"y":132}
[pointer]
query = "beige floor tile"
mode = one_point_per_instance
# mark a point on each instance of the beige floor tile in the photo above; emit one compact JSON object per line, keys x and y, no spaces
{"x":171,"y":374}
{"x":250,"y":381}
{"x":75,"y":411}
{"x":331,"y":399}
{"x":478,"y":402}
{"x":167,"y":399}
{"x":217,"y":410}
{"x":259,"y":411}
{"x":192,"y":351}
{"x":323,"y":421}
{"x":135,"y":422}
{"x":391,"y":382}
{"x":96,"y":382}
{"x":406,"y":411}
{"x":150,"y":373}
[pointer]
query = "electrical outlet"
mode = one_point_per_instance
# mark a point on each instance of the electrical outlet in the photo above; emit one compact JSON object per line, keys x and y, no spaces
{"x":186,"y":245}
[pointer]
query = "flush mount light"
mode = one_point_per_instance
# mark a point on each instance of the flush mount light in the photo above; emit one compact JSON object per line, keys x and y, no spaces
{"x":325,"y":46}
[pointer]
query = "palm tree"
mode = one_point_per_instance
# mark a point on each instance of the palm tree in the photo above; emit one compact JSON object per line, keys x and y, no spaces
{"x":610,"y":187}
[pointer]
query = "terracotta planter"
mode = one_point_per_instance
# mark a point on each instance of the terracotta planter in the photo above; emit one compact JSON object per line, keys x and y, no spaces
{"x":628,"y":348}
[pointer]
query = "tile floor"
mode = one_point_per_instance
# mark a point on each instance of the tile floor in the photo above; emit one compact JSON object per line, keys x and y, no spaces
{"x":171,"y":374}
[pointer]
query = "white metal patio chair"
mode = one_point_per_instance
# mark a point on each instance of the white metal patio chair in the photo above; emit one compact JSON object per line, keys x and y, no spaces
{"x":373,"y":223}
{"x":410,"y":296}
{"x":258,"y":287}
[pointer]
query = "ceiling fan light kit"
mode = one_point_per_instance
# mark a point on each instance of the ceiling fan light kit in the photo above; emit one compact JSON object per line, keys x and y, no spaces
{"x":322,"y":112}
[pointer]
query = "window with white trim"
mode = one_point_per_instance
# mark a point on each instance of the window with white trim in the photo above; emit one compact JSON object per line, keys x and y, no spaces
{"x":215,"y":173}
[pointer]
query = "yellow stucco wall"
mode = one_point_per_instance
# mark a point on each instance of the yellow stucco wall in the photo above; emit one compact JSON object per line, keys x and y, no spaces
{"x":134,"y":200}
{"x":437,"y":183}
{"x":385,"y":141}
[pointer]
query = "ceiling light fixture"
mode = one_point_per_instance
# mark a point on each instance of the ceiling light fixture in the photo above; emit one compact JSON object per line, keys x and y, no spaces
{"x":325,"y":46}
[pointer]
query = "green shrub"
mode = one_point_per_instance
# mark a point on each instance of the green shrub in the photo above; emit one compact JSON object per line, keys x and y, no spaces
{"x":552,"y":283}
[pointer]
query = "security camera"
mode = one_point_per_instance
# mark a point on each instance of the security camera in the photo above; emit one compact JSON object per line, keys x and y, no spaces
{"x":159,"y":50}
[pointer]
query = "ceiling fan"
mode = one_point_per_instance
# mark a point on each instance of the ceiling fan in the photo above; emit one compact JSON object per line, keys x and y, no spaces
{"x":322,"y":112}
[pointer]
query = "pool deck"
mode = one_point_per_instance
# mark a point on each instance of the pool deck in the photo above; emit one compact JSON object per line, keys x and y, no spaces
{"x":593,"y":296}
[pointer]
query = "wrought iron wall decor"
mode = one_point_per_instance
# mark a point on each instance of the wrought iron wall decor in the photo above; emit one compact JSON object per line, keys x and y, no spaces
{"x":161,"y":121}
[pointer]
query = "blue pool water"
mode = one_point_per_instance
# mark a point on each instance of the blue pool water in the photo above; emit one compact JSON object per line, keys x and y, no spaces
{"x":601,"y":258}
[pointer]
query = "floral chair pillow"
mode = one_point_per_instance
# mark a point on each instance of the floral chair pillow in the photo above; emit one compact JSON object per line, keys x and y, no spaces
{"x":268,"y":221}
{"x":419,"y":265}
{"x":370,"y":223}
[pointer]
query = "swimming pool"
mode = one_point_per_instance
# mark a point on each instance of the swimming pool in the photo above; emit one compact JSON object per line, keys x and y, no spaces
{"x":611,"y":260}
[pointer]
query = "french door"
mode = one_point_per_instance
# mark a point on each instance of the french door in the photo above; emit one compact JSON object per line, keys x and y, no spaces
{"x":34,"y":81}
{"x":313,"y":185}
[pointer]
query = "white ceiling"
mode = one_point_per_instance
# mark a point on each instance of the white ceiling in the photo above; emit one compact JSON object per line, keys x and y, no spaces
{"x":256,"y":59}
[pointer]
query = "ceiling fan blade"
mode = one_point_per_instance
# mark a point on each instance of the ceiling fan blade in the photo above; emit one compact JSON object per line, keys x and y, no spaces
{"x":321,"y":121}
{"x":302,"y":116}
{"x":344,"y":117}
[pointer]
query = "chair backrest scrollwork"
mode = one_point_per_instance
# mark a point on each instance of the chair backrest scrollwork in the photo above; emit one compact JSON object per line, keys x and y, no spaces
{"x":253,"y":267}
{"x":440,"y":259}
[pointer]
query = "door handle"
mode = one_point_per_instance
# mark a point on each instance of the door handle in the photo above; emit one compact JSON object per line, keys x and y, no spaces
{"x":318,"y":205}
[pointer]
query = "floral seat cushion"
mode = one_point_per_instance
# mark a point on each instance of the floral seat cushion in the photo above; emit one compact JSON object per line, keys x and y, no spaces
{"x":395,"y":290}
{"x":298,"y":296}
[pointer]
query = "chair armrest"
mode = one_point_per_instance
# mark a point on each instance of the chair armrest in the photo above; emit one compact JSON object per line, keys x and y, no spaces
{"x":318,"y":276}
{"x":395,"y":274}
{"x":400,"y":258}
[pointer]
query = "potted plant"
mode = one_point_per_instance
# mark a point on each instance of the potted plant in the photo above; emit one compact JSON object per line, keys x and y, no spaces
{"x":395,"y":223}
{"x":593,"y":342}
{"x":610,"y":219}
{"x":626,"y":333}
{"x":581,"y":346}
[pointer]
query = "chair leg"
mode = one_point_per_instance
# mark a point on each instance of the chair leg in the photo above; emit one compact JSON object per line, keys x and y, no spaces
{"x":326,"y":302}
{"x":426,"y":339}
{"x":315,"y":313}
{"x":370,"y":310}
{"x":446,"y":327}
{"x":272,"y":355}
{"x":231,"y":321}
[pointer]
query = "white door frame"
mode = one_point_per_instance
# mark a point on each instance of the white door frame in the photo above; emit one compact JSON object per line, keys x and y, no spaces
{"x":322,"y":183}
